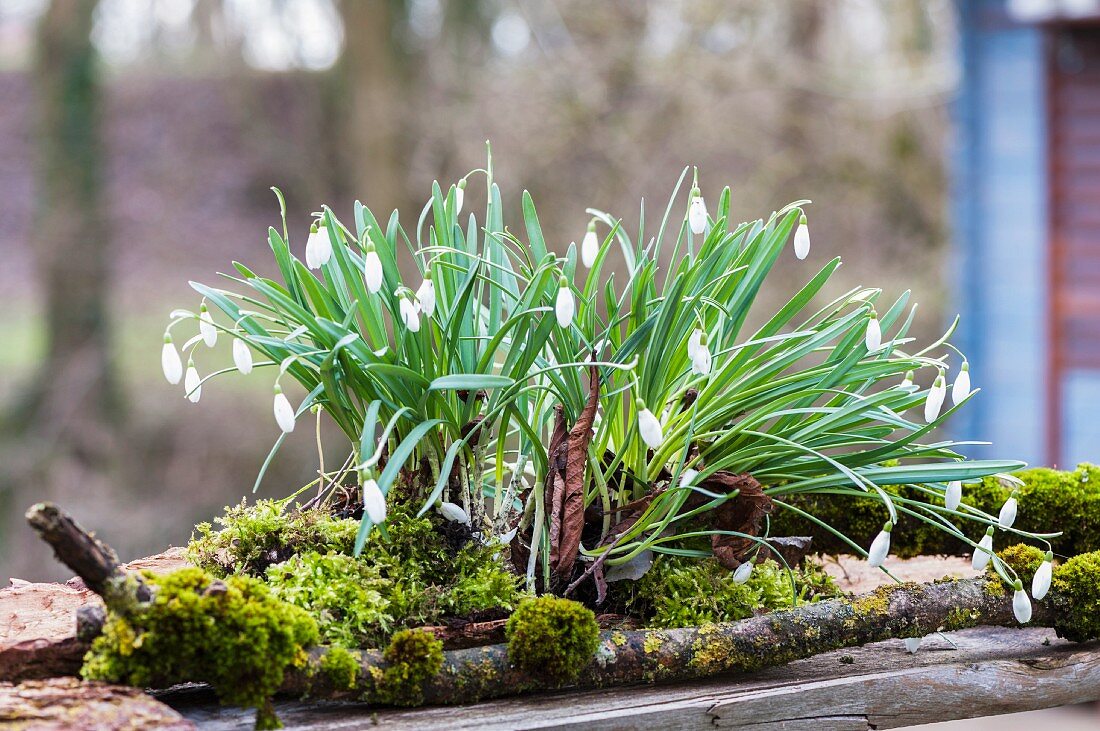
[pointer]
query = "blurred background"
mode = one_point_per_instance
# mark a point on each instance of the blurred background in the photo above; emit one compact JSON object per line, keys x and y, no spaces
{"x":952,"y":148}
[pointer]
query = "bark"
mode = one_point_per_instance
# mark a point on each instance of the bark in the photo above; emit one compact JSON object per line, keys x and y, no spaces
{"x":68,"y":703}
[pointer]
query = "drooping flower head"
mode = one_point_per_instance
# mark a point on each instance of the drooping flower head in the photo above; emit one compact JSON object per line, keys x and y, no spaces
{"x":425,"y":294}
{"x":372,"y":269}
{"x":880,"y":547}
{"x":697,"y":212}
{"x":170,"y":361}
{"x":564,"y":305}
{"x":961,"y":388}
{"x":206,"y":326}
{"x":648,"y":426}
{"x":802,"y":238}
{"x":590,"y":246}
{"x":284,"y":412}
{"x":318,"y":245}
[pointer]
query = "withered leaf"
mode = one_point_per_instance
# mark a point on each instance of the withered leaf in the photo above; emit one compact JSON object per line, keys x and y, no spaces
{"x":576,"y":460}
{"x":743,"y":514}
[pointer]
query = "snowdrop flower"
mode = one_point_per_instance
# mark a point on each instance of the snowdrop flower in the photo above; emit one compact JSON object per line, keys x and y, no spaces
{"x":284,"y":412}
{"x":1021,"y":604}
{"x":1007,"y":515}
{"x":687,"y":477}
{"x":880,"y":547}
{"x":454,"y":513}
{"x":170,"y":361}
{"x":961,"y":388}
{"x":318,"y":246}
{"x":648,"y":426}
{"x":409,"y":310}
{"x":697,"y":212}
{"x":460,"y":195}
{"x":742,"y":573}
{"x":873,"y":338}
{"x":425,"y":295}
{"x":984,"y":552}
{"x":952,"y":496}
{"x":590,"y":246}
{"x":912,"y":644}
{"x":1040,"y":584}
{"x":908,"y":380}
{"x":936,"y":395}
{"x":374,"y":502}
{"x":694,"y":341}
{"x":206,"y":326}
{"x":242,"y":356}
{"x":564,"y":306}
{"x":372,"y":270}
{"x":802,"y":238}
{"x":191,"y":382}
{"x":701,"y":359}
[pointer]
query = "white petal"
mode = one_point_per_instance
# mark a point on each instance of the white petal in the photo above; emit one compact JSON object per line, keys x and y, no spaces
{"x":700,"y":364}
{"x":171,"y":364}
{"x":1007,"y":515}
{"x":697,"y":215}
{"x":1040,"y":584}
{"x":873,"y":338}
{"x":284,"y":413}
{"x":460,"y":198}
{"x":961,"y":388}
{"x":322,"y":246}
{"x":454,"y":513}
{"x":372,"y":274}
{"x":207,"y":330}
{"x":934,"y":402}
{"x":425,"y":295}
{"x":952,"y":496}
{"x":590,"y":248}
{"x":695,"y":340}
{"x":410,"y":315}
{"x":650,"y":429}
{"x":242,"y":356}
{"x":802,"y":241}
{"x":880,"y":549}
{"x":742,"y":573}
{"x":981,"y":558}
{"x":374,"y":502}
{"x":687,"y":477}
{"x":1021,"y":606}
{"x":912,"y":644}
{"x":191,"y":385}
{"x":565,"y":307}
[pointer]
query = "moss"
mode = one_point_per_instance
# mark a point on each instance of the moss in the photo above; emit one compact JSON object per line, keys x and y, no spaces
{"x":232,"y":634}
{"x":652,"y":643}
{"x":552,"y":636}
{"x":686,"y":592}
{"x":340,"y":667}
{"x":412,"y":657}
{"x":1021,"y":558}
{"x":1075,"y":593}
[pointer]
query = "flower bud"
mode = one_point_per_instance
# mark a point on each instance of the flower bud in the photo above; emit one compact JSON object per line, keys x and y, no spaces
{"x":742,"y":573}
{"x":697,"y":212}
{"x":1007,"y":515}
{"x":952,"y":496}
{"x":318,"y":245}
{"x":1040,"y":583}
{"x":425,"y":295}
{"x":1021,"y":604}
{"x":284,"y":412}
{"x":374,"y":502}
{"x":409,"y":311}
{"x":880,"y":547}
{"x":984,"y":552}
{"x":170,"y":361}
{"x":802,"y":238}
{"x":454,"y":513}
{"x":192,"y":384}
{"x":934,"y":402}
{"x":873,"y":338}
{"x":648,"y":426}
{"x":590,"y":246}
{"x":372,"y":270}
{"x":460,"y":195}
{"x":206,"y":326}
{"x":564,"y":306}
{"x":960,"y":389}
{"x":242,"y":356}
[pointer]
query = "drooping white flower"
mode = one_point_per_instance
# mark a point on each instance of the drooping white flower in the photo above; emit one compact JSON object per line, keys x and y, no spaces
{"x":952,"y":496}
{"x":590,"y":246}
{"x":206,"y":326}
{"x":908,"y":380}
{"x":936,"y":395}
{"x":409,"y":310}
{"x":960,"y":389}
{"x":374,"y":502}
{"x":454,"y":513}
{"x":372,"y":270}
{"x":191,"y":382}
{"x":742,"y":573}
{"x":802,"y":238}
{"x":912,"y":644}
{"x":880,"y":547}
{"x":873,"y":338}
{"x":701,"y":360}
{"x":687,"y":477}
{"x":1007,"y":516}
{"x":425,"y":294}
{"x":170,"y":361}
{"x":697,"y":212}
{"x":1021,"y":603}
{"x":318,"y":246}
{"x":648,"y":426}
{"x":564,"y":306}
{"x":460,"y":195}
{"x":1040,"y":583}
{"x":242,"y":356}
{"x":284,"y":412}
{"x":694,"y":341}
{"x":984,"y":552}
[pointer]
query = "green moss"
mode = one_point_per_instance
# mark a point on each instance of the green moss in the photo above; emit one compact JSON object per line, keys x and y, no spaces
{"x":340,"y":667}
{"x":686,"y":592}
{"x":413,"y":656}
{"x":552,"y":636}
{"x":1075,"y":593}
{"x":1021,"y":558}
{"x":232,"y":634}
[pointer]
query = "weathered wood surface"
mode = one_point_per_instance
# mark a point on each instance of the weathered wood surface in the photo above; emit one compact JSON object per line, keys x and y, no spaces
{"x":878,"y":686}
{"x":67,"y":704}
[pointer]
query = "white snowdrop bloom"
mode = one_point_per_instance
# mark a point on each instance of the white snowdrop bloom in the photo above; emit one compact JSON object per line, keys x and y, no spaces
{"x":170,"y":361}
{"x":374,"y":502}
{"x":1007,"y":516}
{"x":880,"y":547}
{"x":1021,"y":604}
{"x":908,"y":380}
{"x":687,"y":477}
{"x":1040,"y":583}
{"x":952,"y":496}
{"x":242,"y":356}
{"x":934,"y":402}
{"x":206,"y":326}
{"x":590,"y":246}
{"x":960,"y":389}
{"x":318,"y":246}
{"x":701,"y":361}
{"x":460,"y":195}
{"x":984,"y":552}
{"x":454,"y":513}
{"x":742,"y":573}
{"x":697,"y":212}
{"x":284,"y":412}
{"x":372,"y":270}
{"x":694,"y":341}
{"x":802,"y":238}
{"x":425,"y":294}
{"x":564,"y":306}
{"x":410,"y":313}
{"x":912,"y":644}
{"x":873,"y":338}
{"x":191,"y":382}
{"x":649,"y":427}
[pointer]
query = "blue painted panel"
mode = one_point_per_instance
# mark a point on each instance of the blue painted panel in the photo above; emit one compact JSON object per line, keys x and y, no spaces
{"x":1081,"y":428}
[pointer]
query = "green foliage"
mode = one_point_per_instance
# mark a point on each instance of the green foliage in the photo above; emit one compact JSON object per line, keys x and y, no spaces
{"x":340,"y":667}
{"x":232,"y":634}
{"x":1075,"y":593}
{"x":551,"y":636}
{"x":413,"y":656}
{"x":681,"y":592}
{"x":1023,"y":559}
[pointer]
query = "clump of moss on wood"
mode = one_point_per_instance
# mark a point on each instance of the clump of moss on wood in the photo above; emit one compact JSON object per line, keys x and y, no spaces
{"x":232,"y":634}
{"x":413,"y":656}
{"x":1021,"y":558}
{"x":551,"y":636}
{"x":685,"y":592}
{"x":1075,"y":592}
{"x":340,"y":667}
